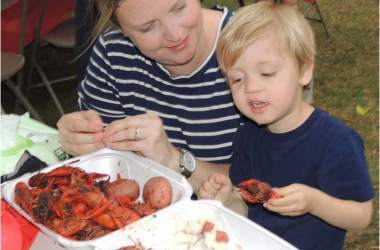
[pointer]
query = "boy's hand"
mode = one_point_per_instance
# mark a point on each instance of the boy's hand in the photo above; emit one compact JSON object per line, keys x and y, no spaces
{"x":218,"y":187}
{"x":297,"y":199}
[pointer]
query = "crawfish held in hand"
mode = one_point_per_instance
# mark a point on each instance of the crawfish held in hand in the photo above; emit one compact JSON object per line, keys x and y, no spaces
{"x":255,"y":191}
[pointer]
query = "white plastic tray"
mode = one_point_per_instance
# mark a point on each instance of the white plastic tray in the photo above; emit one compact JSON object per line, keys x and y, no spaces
{"x":164,"y":231}
{"x":128,"y":165}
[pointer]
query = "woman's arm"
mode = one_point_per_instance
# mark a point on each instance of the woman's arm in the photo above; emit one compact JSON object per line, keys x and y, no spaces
{"x":153,"y":143}
{"x":203,"y":171}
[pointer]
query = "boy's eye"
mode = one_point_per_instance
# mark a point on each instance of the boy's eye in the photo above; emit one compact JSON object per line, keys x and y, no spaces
{"x":235,"y":77}
{"x":268,"y":74}
{"x":236,"y":80}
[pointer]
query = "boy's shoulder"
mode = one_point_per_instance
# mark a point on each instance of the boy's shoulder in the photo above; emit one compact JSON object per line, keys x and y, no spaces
{"x":328,"y":131}
{"x":321,"y":127}
{"x":329,"y":124}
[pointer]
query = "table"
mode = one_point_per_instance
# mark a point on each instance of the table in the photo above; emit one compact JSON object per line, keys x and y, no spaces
{"x":56,"y":12}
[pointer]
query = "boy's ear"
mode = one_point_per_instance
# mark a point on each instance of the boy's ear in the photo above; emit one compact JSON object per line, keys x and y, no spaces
{"x":306,"y":74}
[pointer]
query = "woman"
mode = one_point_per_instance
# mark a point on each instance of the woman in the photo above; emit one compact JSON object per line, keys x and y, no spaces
{"x":153,"y":86}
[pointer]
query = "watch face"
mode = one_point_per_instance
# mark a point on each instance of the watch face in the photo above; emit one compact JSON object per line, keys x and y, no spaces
{"x":189,"y":161}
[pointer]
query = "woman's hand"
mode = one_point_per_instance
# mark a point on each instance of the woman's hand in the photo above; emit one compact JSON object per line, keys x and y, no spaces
{"x":218,"y":187}
{"x":143,"y":134}
{"x":298,"y":199}
{"x":80,"y":132}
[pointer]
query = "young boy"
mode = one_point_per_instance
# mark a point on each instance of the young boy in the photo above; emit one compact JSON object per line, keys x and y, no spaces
{"x":318,"y":164}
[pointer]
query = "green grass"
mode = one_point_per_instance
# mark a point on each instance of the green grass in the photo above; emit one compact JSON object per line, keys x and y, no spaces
{"x":346,"y":76}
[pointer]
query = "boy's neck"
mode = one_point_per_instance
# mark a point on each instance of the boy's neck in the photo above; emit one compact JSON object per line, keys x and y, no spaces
{"x":293,"y":120}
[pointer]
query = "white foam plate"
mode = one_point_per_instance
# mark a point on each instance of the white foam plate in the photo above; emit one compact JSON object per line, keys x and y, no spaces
{"x":165,"y":230}
{"x":128,"y":165}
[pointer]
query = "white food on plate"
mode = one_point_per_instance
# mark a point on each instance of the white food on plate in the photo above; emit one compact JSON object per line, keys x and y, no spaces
{"x":188,"y":235}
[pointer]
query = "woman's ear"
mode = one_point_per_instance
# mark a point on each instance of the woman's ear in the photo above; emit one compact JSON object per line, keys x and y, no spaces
{"x":306,"y":74}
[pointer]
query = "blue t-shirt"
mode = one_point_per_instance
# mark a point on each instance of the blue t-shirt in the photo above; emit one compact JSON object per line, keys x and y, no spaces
{"x":197,"y":110}
{"x":322,"y":153}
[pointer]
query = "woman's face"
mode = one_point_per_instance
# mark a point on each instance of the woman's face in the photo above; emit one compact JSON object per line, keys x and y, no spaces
{"x":168,"y":31}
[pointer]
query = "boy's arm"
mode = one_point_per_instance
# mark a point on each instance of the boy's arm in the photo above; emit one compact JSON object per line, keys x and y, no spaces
{"x":236,"y":203}
{"x":219,"y":187}
{"x":298,"y":199}
{"x":346,"y":214}
{"x":344,"y":183}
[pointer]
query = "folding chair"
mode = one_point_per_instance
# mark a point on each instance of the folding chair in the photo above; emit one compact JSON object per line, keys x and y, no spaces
{"x":12,"y":64}
{"x":63,"y":36}
{"x":312,"y":4}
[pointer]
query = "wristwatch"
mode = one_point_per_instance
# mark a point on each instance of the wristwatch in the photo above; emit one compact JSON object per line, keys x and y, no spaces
{"x":187,"y":163}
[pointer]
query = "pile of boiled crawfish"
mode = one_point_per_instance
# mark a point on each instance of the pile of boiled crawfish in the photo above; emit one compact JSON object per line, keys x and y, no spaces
{"x":84,"y":206}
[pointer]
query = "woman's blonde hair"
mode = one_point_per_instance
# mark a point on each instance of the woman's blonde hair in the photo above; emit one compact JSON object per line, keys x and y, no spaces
{"x":106,"y":16}
{"x":255,"y":21}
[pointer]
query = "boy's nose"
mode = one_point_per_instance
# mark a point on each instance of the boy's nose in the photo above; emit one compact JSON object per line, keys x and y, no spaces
{"x":251,"y":86}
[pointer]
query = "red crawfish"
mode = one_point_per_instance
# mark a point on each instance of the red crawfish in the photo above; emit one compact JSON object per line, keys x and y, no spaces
{"x":255,"y":191}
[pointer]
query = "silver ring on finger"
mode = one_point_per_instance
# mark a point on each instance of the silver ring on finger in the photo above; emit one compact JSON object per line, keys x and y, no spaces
{"x":138,"y":133}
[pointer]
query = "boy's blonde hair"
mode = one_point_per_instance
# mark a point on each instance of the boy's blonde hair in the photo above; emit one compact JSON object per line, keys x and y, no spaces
{"x":254,"y":21}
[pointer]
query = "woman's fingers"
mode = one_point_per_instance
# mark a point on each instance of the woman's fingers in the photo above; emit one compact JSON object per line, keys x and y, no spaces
{"x":80,"y":144}
{"x":128,"y":134}
{"x":143,"y":133}
{"x":129,"y":122}
{"x":81,"y":138}
{"x":84,"y":121}
{"x":137,"y":146}
{"x":122,"y":134}
{"x":80,"y":132}
{"x":88,"y":148}
{"x":92,"y":116}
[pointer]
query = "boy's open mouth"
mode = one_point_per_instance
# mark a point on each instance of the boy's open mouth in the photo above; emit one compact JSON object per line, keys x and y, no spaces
{"x":258,"y":104}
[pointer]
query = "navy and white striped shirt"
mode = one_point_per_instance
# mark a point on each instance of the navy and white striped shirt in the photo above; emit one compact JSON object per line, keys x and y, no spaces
{"x":197,"y":110}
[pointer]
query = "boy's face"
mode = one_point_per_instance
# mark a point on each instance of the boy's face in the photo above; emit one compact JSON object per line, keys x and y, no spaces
{"x":267,"y":85}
